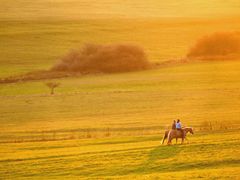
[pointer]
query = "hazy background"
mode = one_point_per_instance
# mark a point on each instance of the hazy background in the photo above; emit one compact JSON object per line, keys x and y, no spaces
{"x":35,"y":34}
{"x":75,"y":9}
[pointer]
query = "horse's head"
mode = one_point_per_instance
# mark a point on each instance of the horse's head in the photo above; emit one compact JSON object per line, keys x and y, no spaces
{"x":189,"y":129}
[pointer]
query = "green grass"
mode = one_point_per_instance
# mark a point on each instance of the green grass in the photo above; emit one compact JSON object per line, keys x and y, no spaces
{"x":49,"y":134}
{"x":34,"y":34}
{"x":208,"y":156}
{"x":32,"y":45}
{"x":110,"y":126}
{"x":135,"y":103}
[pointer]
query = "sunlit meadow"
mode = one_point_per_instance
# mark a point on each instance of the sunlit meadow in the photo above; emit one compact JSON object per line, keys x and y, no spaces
{"x":110,"y":125}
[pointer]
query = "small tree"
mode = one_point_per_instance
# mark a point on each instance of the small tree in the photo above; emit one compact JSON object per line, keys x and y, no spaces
{"x":52,"y":86}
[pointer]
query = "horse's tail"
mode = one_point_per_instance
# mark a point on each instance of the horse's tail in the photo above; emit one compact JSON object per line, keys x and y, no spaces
{"x":164,"y":137}
{"x":169,"y":136}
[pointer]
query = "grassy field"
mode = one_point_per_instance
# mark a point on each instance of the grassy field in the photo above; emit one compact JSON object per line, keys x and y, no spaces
{"x":140,"y":101}
{"x":33,"y":45}
{"x":208,"y":156}
{"x":109,"y":126}
{"x":35,"y":34}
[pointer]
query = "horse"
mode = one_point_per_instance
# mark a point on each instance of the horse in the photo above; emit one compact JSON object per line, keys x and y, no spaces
{"x":171,"y":134}
{"x":166,"y":135}
{"x":177,"y":134}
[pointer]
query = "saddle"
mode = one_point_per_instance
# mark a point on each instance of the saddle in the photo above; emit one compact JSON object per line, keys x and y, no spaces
{"x":181,"y":132}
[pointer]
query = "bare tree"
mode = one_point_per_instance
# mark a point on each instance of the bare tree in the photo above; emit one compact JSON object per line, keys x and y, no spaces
{"x":52,"y":86}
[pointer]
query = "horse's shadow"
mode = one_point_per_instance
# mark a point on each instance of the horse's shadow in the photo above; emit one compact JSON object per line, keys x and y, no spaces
{"x":157,"y":154}
{"x":163,"y":152}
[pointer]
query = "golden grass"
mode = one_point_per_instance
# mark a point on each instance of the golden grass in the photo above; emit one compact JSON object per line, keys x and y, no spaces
{"x":124,"y":158}
{"x":114,"y":114}
{"x":30,"y":46}
{"x":138,"y":103}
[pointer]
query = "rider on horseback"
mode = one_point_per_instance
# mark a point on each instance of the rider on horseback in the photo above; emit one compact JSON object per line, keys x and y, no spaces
{"x":179,"y":127}
{"x":174,"y":124}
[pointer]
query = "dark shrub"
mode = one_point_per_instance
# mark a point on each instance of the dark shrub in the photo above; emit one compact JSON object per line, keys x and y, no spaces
{"x":92,"y":58}
{"x":217,"y":46}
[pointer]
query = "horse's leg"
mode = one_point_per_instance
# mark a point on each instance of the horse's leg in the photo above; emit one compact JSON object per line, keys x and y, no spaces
{"x":183,"y":135}
{"x":182,"y":140}
{"x":163,"y":140}
{"x":169,"y":141}
{"x":164,"y":137}
{"x":176,"y":140}
{"x":169,"y":137}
